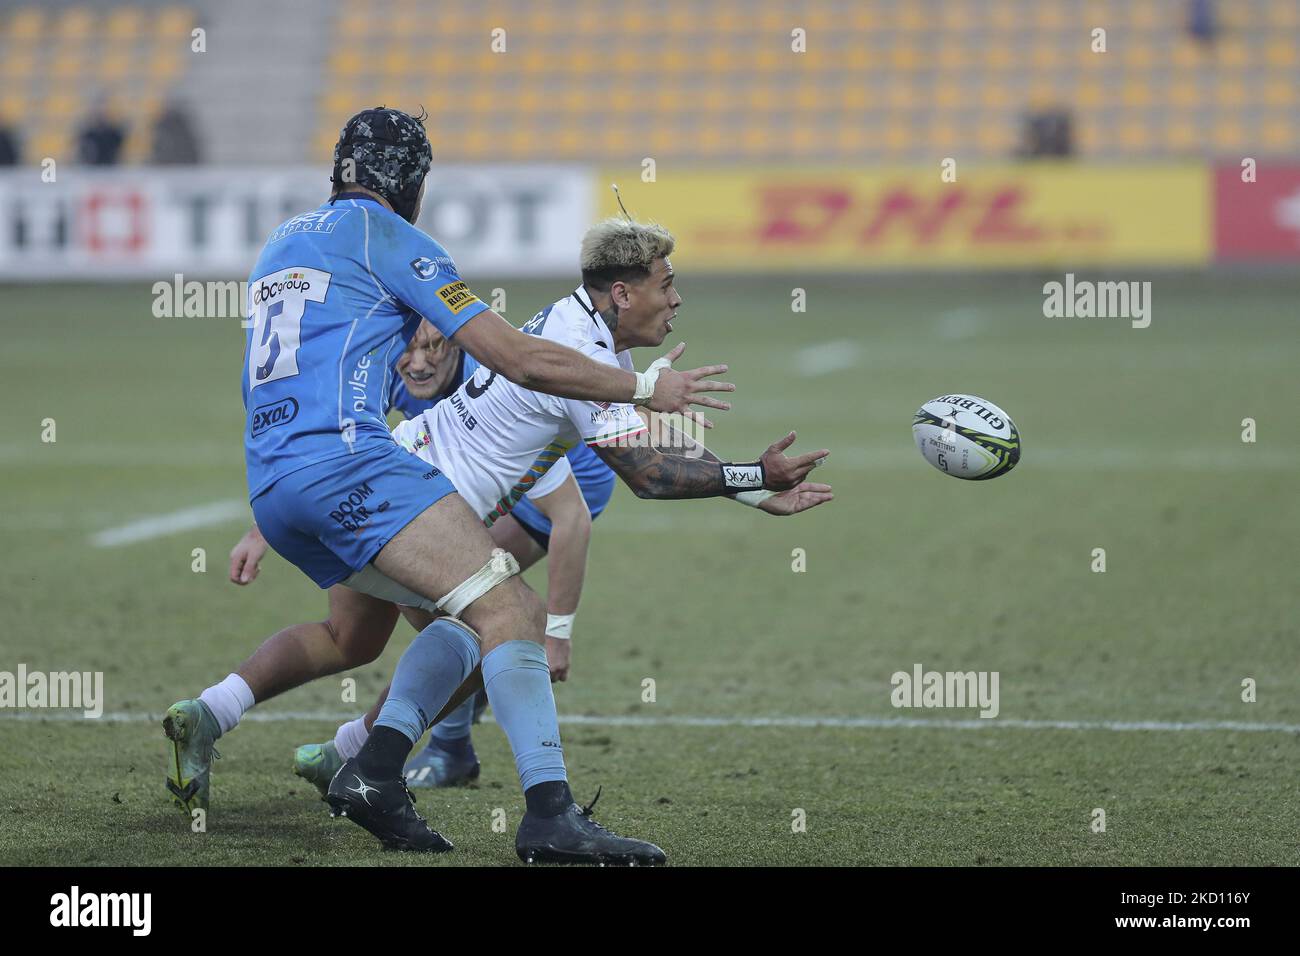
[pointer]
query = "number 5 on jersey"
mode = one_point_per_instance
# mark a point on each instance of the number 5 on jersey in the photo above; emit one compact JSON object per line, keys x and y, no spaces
{"x":276,"y":304}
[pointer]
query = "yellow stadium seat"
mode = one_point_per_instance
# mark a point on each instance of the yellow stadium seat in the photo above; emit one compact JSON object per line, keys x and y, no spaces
{"x":26,"y":24}
{"x":898,"y":137}
{"x":1136,"y":94}
{"x":756,"y":140}
{"x":174,"y":22}
{"x":1282,"y":53}
{"x":76,"y":23}
{"x":1279,"y":93}
{"x":943,"y":138}
{"x":1184,"y":93}
{"x":808,"y":98}
{"x":1229,"y":135}
{"x":1090,"y":95}
{"x":901,"y":96}
{"x":396,"y":61}
{"x":64,"y":104}
{"x":115,"y":65}
{"x":346,"y":62}
{"x":50,"y":141}
{"x":1150,"y":16}
{"x":994,"y":96}
{"x":998,"y":56}
{"x":1180,"y":135}
{"x":1188,"y":54}
{"x":164,"y":65}
{"x":994,"y":138}
{"x":904,"y":57}
{"x":124,"y":24}
{"x":804,"y":140}
{"x":953,"y":56}
{"x":710,"y":140}
{"x":1230,"y":93}
{"x":1134,"y":136}
{"x":67,"y":65}
{"x":850,"y":139}
{"x":1280,"y":136}
{"x":1231,"y":52}
{"x":949,"y":96}
{"x":854,"y":98}
{"x":1283,"y":15}
{"x":13,"y":107}
{"x":1049,"y":17}
{"x":18,"y":67}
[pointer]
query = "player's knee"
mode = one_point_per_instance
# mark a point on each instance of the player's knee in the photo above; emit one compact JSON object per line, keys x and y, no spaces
{"x":352,"y":645}
{"x":514,"y":613}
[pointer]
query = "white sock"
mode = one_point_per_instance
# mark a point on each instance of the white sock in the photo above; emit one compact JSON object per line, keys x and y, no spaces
{"x":350,"y":738}
{"x":228,"y":701}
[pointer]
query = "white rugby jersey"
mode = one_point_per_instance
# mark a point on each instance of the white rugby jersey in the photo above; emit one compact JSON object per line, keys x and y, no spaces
{"x":490,"y":431}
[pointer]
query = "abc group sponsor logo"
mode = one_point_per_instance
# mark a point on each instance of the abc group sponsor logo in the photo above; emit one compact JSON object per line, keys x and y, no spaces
{"x":272,"y":414}
{"x":289,"y":281}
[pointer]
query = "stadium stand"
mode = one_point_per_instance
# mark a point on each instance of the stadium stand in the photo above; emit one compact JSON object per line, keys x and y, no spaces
{"x":881,"y":81}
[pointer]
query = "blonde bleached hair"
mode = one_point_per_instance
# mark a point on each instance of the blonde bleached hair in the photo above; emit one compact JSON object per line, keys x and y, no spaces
{"x":615,"y":250}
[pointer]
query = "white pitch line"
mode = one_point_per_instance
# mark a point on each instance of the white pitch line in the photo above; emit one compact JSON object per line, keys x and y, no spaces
{"x":158,"y":526}
{"x":670,"y":720}
{"x":827,"y":357}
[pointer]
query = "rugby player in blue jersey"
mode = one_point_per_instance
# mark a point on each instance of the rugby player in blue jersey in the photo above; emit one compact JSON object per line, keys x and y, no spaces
{"x":335,"y":296}
{"x":430,"y":370}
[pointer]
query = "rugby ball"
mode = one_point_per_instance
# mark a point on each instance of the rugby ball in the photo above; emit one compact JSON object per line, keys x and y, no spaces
{"x":966,"y":437}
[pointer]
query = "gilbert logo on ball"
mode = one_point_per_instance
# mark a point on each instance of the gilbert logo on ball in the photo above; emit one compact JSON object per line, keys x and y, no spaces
{"x":966,"y":437}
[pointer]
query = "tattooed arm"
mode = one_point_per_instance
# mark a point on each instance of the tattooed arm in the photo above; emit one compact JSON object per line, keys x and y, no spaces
{"x":697,"y":472}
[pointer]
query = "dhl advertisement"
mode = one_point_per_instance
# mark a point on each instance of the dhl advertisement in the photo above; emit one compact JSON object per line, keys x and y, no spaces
{"x":1013,"y":216}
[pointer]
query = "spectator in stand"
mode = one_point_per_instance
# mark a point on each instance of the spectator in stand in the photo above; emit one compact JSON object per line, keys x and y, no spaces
{"x":1201,"y":20}
{"x":99,"y":141}
{"x":174,"y":140}
{"x":11,"y":152}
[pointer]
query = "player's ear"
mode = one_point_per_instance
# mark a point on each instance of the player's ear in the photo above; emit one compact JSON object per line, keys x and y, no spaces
{"x":620,"y":293}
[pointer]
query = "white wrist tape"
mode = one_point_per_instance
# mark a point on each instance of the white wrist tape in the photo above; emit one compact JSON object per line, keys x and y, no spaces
{"x":753,"y":498}
{"x":500,"y":568}
{"x":645,"y":381}
{"x":560,"y":626}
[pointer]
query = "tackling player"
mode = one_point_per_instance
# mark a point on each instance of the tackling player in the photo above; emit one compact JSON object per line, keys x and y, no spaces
{"x":430,"y":370}
{"x":335,"y":295}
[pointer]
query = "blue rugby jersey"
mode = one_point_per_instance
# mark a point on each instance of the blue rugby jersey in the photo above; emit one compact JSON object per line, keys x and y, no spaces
{"x":334,"y":298}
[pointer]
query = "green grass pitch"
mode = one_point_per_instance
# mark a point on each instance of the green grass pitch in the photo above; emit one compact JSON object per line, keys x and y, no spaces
{"x":1132,"y":443}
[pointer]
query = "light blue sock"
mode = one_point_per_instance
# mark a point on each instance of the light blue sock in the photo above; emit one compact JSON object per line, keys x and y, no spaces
{"x":454,"y":728}
{"x":438,"y":660}
{"x":518,"y":682}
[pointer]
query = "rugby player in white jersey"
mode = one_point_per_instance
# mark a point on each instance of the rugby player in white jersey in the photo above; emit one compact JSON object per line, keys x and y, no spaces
{"x":490,"y":428}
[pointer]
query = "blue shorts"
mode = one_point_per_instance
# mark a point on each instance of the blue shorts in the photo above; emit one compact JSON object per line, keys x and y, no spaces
{"x":538,"y":526}
{"x":331,"y":518}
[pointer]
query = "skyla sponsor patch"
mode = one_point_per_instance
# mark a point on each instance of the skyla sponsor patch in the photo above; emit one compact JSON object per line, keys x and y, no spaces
{"x":456,"y":296}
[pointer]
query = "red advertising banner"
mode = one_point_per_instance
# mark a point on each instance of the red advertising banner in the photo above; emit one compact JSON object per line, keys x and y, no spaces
{"x":1257,"y":221}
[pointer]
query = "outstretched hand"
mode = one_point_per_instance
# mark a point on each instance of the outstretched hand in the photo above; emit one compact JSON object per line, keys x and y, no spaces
{"x":782,"y":473}
{"x":805,"y":495}
{"x":676,"y":391}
